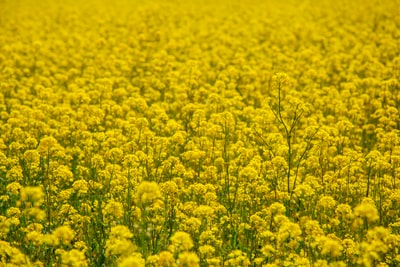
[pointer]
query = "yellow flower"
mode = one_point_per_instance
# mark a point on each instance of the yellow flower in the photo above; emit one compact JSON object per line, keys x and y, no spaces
{"x":114,"y":155}
{"x":50,"y":240}
{"x":114,"y":209}
{"x":206,"y":250}
{"x":296,"y":260}
{"x":118,"y":247}
{"x":64,"y":234}
{"x":35,"y":237}
{"x":63,"y":174}
{"x":277,"y":208}
{"x":304,"y":190}
{"x":119,"y":242}
{"x":15,"y":174}
{"x":13,"y":212}
{"x":132,"y":261}
{"x":349,"y":247}
{"x":289,"y":233}
{"x":97,"y":161}
{"x":80,"y":186}
{"x":268,"y":251}
{"x":343,"y":211}
{"x":14,"y":188}
{"x":147,"y":192}
{"x":181,"y":241}
{"x":330,"y":246}
{"x":326,"y":202}
{"x":366,"y":209}
{"x":49,"y":146}
{"x":64,"y":195}
{"x":166,"y":259}
{"x":31,"y":142}
{"x":188,"y":259}
{"x":11,"y":256}
{"x":32,"y":194}
{"x":36,"y":213}
{"x":120,"y":232}
{"x":72,"y":257}
{"x":237,"y":258}
{"x":32,"y":157}
{"x":80,"y":245}
{"x":204,"y":211}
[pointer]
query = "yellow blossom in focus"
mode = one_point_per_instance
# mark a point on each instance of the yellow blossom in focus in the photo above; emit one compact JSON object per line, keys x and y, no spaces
{"x":181,"y":241}
{"x":114,"y":209}
{"x":14,"y":188}
{"x":80,"y":186}
{"x":147,"y":192}
{"x":72,"y":257}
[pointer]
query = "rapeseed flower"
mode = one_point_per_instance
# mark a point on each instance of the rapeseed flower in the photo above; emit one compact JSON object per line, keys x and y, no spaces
{"x":147,"y":192}
{"x":72,"y":257}
{"x":366,"y":209}
{"x":11,"y":256}
{"x":188,"y":259}
{"x":32,"y":195}
{"x":181,"y":241}
{"x":330,"y":246}
{"x":113,"y":210}
{"x":64,"y":234}
{"x":119,"y":242}
{"x":132,"y":261}
{"x":166,"y":259}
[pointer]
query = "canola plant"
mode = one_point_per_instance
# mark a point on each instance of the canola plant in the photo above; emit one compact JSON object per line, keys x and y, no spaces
{"x":200,"y":133}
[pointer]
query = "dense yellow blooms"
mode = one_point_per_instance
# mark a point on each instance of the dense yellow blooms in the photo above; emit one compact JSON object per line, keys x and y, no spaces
{"x":72,"y":257}
{"x":64,"y":234}
{"x":199,"y":133}
{"x":132,"y":261}
{"x":181,"y":241}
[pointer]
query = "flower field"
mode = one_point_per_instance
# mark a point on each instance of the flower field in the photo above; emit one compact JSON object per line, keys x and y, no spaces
{"x":199,"y":133}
